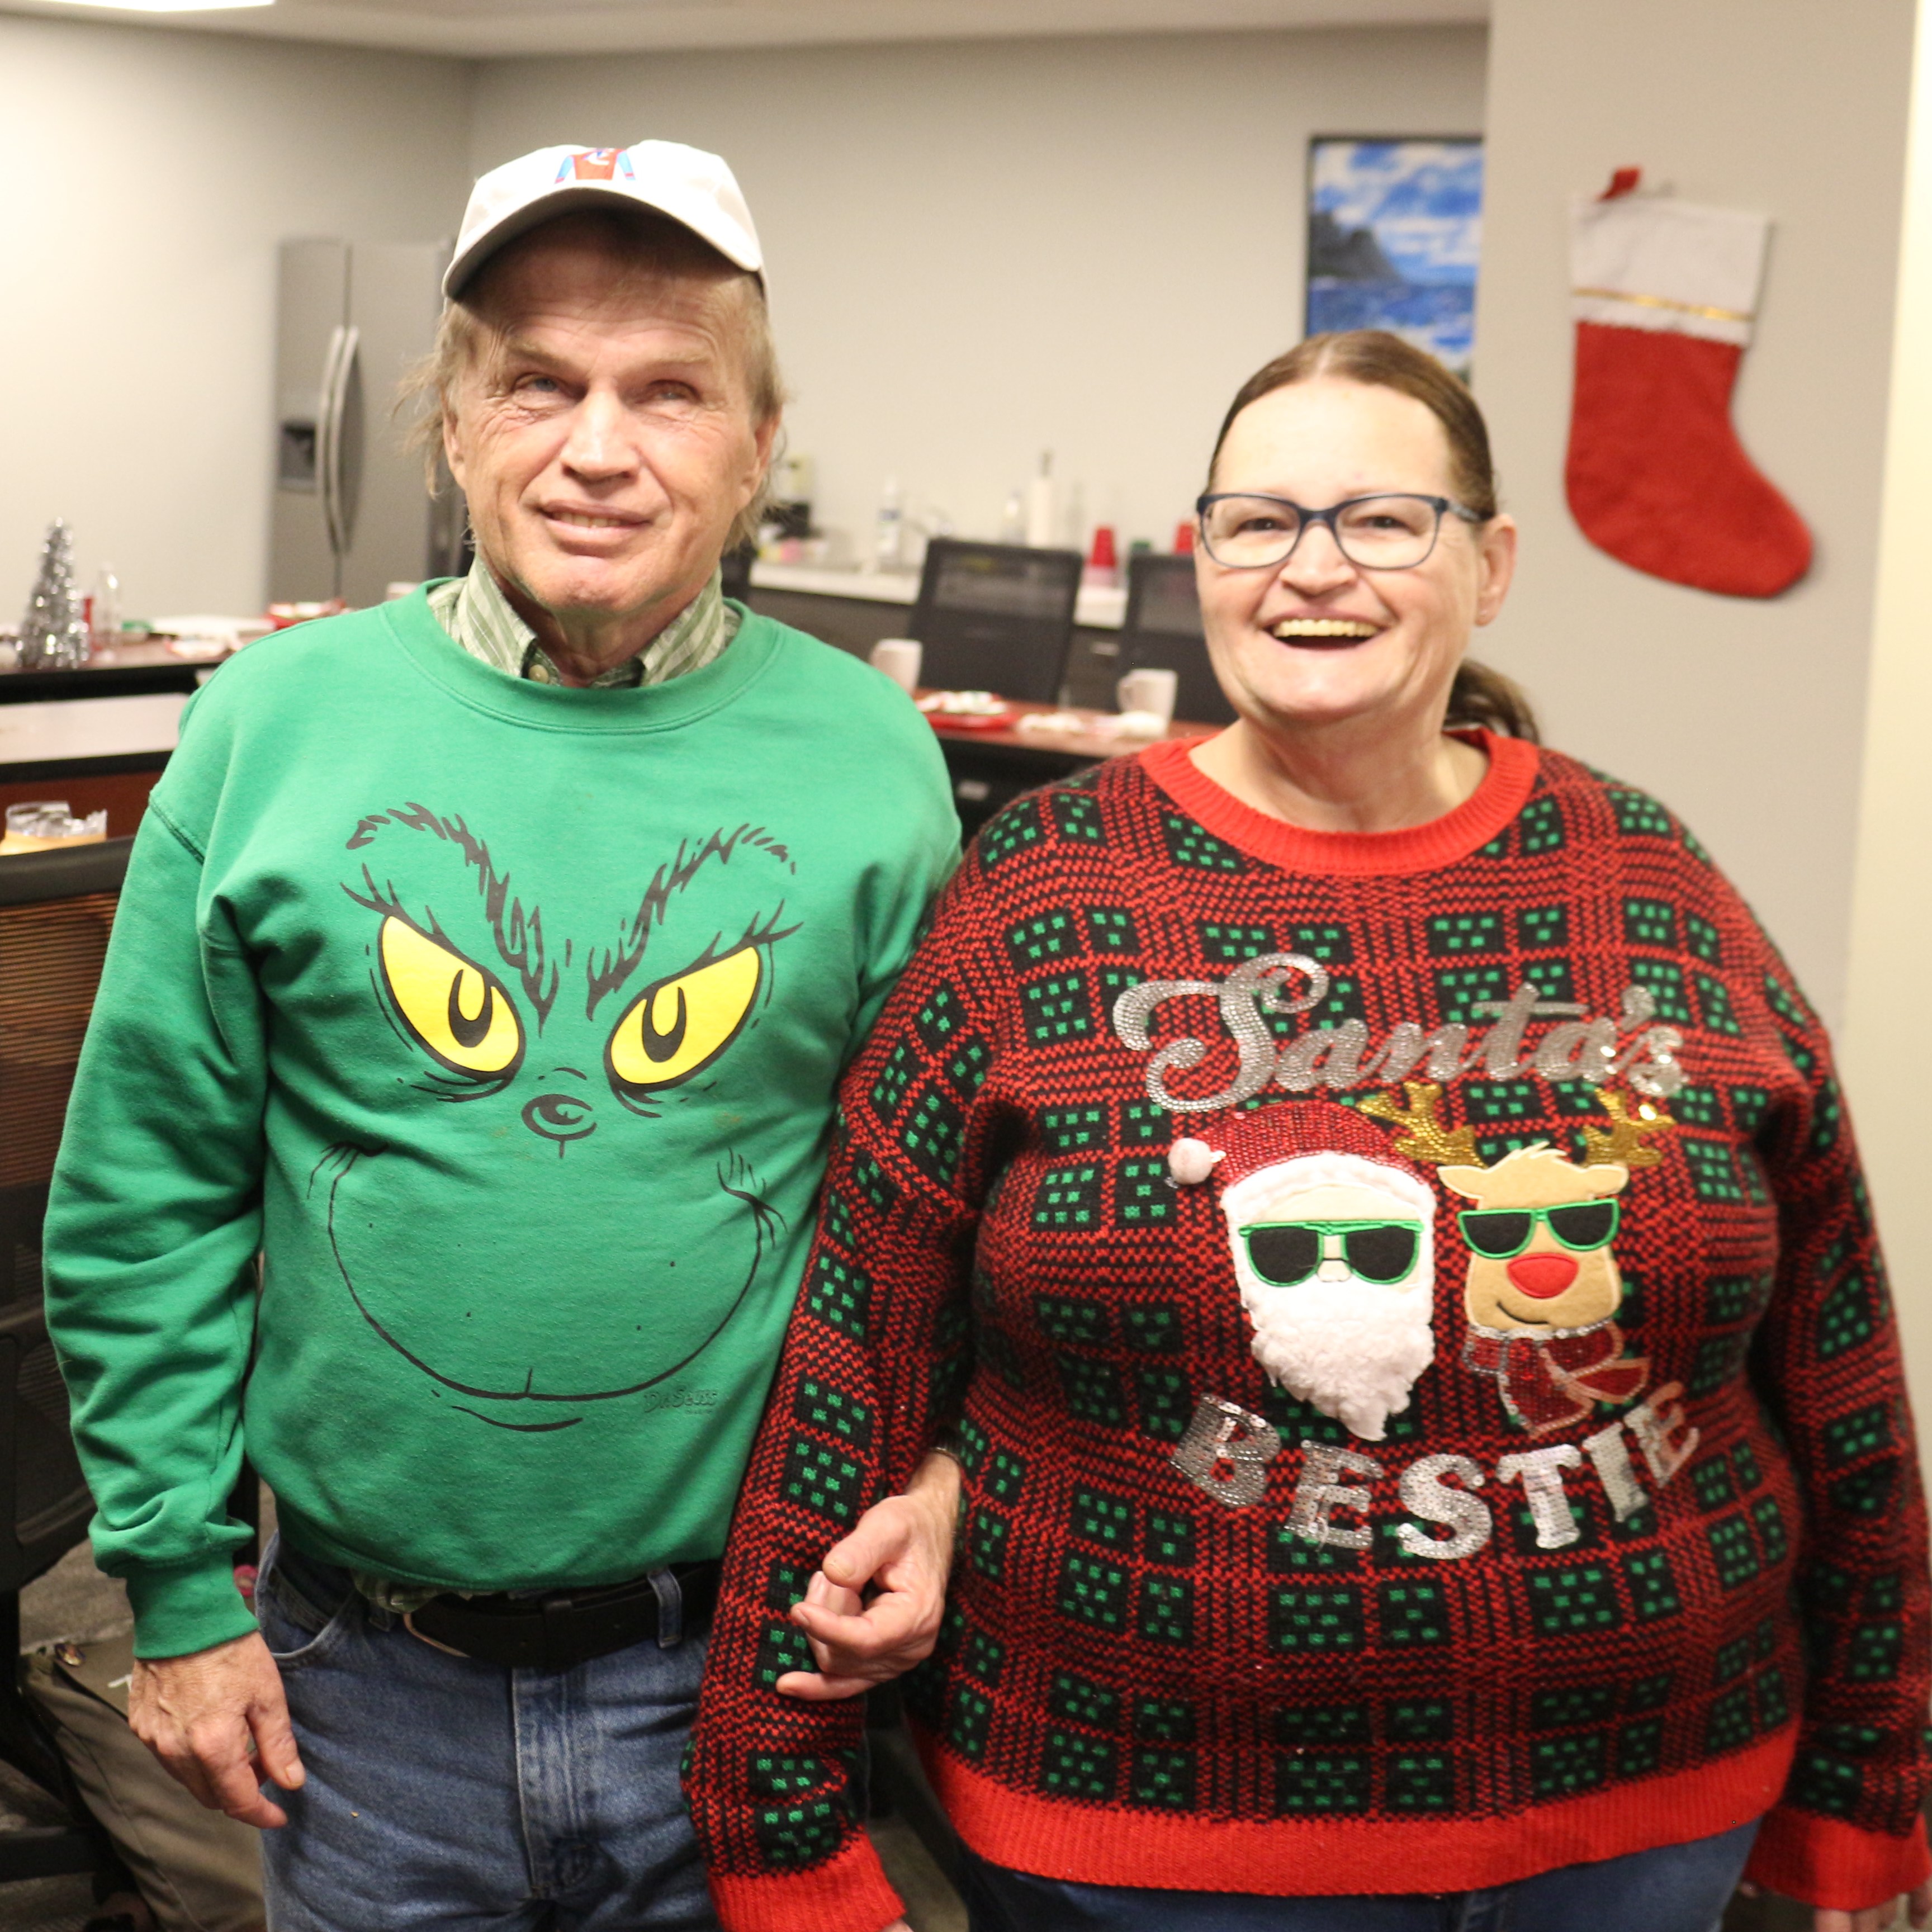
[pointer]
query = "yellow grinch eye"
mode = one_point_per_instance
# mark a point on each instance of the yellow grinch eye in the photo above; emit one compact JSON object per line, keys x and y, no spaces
{"x":672,"y":1029}
{"x":459,"y":1012}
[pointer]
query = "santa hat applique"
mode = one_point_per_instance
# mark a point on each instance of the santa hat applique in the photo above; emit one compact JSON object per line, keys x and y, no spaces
{"x":1296,"y":1130}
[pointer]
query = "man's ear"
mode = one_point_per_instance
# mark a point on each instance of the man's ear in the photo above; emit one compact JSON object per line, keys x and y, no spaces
{"x":765,"y":436}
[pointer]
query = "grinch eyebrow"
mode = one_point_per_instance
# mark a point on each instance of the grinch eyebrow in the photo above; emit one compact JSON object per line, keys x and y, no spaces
{"x":605,"y":972}
{"x":519,"y":935}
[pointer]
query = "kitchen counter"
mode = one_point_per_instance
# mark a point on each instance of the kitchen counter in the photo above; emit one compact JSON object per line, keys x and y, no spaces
{"x":96,"y":732}
{"x":1100,"y":607}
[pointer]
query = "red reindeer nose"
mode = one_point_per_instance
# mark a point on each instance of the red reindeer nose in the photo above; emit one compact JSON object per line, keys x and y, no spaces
{"x":1542,"y":1276}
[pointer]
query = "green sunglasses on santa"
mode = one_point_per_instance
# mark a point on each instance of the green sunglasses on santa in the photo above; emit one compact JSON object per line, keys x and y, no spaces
{"x":1285,"y":1254}
{"x":1499,"y":1234}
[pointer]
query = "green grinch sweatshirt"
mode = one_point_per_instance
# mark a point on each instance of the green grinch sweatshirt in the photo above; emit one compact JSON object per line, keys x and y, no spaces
{"x":504,"y":1020}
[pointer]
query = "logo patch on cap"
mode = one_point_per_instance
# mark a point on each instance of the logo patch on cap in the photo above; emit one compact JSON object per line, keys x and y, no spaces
{"x":595,"y":164}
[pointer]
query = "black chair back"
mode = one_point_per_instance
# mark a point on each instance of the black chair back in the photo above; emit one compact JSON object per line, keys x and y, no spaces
{"x":1162,"y":631}
{"x":996,"y":617}
{"x":56,"y":908}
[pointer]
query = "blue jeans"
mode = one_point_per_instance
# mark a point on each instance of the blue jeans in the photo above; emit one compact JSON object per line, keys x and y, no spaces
{"x":449,"y":1794}
{"x":1674,"y":1889}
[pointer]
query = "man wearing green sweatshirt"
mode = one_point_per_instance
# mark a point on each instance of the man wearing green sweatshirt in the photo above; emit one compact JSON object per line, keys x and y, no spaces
{"x":486,"y":963}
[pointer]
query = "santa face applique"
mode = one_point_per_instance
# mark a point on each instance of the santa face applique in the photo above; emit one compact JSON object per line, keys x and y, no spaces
{"x":1334,"y":1252}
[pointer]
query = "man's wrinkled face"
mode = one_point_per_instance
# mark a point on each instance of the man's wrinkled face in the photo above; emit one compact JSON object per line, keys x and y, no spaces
{"x":603,"y":435}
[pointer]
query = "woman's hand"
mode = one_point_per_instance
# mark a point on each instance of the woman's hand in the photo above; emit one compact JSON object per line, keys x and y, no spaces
{"x":1877,"y":1917}
{"x":903,"y":1548}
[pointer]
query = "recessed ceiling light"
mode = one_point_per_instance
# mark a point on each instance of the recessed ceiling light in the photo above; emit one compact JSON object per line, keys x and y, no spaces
{"x":167,"y":6}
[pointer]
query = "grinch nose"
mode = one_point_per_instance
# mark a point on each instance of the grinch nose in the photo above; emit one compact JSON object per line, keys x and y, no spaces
{"x":1542,"y":1276}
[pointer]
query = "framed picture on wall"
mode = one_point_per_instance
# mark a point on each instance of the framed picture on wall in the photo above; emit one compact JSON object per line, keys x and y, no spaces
{"x":1395,"y":230}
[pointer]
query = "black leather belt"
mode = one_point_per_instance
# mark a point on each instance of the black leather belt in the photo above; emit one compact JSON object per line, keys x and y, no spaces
{"x":566,"y":1628}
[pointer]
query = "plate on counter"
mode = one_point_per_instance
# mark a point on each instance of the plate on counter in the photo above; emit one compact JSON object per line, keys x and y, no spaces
{"x":966,"y":711}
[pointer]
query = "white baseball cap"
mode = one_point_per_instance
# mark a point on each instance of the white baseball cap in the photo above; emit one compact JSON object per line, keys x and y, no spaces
{"x":686,"y":184}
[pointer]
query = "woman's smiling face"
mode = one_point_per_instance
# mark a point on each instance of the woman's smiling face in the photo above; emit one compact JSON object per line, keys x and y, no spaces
{"x":1317,"y":640}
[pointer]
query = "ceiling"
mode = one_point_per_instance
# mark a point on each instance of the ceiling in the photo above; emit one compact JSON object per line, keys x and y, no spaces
{"x":482,"y":29}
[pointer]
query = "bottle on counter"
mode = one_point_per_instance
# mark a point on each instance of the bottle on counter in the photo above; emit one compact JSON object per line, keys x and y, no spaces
{"x":1013,"y":519}
{"x":1040,"y":517}
{"x":889,"y":538}
{"x":104,"y":608}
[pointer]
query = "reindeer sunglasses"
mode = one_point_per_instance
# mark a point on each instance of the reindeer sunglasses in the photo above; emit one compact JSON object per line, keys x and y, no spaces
{"x":1285,"y":1254}
{"x":1499,"y":1234}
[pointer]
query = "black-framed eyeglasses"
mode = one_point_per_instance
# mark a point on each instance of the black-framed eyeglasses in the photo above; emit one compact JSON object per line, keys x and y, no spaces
{"x":1394,"y":532}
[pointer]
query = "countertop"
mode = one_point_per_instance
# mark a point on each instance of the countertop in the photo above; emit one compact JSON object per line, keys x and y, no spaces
{"x":62,"y":729}
{"x":1100,"y":608}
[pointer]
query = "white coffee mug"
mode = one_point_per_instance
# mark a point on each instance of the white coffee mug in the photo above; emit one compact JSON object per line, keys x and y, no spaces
{"x":1151,"y":689}
{"x":898,"y":659}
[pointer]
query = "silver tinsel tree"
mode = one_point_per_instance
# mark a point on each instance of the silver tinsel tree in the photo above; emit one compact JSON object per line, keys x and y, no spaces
{"x":53,"y":634}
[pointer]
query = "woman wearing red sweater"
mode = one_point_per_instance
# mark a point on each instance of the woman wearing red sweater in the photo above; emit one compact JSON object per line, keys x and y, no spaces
{"x":1369,"y":1219}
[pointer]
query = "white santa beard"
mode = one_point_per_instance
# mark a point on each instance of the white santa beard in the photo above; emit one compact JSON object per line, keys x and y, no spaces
{"x":1351,"y":1348}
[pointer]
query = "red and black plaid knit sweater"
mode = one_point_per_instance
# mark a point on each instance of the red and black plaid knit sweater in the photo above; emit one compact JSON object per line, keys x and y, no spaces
{"x":1643,"y":1555}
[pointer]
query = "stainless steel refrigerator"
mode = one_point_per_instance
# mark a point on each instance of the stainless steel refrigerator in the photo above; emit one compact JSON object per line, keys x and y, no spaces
{"x":351,"y":512}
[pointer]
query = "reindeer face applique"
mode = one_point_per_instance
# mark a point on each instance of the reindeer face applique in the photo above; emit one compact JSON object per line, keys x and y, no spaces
{"x":1543,"y":1287}
{"x":1539,"y":1240}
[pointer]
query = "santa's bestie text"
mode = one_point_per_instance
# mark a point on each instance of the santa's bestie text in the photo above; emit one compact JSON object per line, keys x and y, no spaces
{"x":1578,"y":1046}
{"x":1227,"y":1451}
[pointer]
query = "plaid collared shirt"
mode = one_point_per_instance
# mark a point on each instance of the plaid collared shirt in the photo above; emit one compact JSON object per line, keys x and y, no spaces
{"x":475,"y":612}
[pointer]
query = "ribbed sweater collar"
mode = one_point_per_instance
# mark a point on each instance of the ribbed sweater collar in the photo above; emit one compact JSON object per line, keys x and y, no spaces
{"x":1504,"y":792}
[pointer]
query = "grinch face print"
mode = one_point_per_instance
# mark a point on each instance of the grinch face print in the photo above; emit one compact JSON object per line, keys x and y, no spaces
{"x":540,"y":1051}
{"x":1334,"y":1252}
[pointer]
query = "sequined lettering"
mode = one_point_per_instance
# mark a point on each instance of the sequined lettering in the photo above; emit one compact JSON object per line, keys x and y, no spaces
{"x":1579,"y":1046}
{"x":1655,"y":1422}
{"x":1425,"y":1494}
{"x":1540,"y":1472}
{"x":1611,"y":1462}
{"x":1226,"y":1450}
{"x":1502,"y":1047}
{"x":1318,"y":1492}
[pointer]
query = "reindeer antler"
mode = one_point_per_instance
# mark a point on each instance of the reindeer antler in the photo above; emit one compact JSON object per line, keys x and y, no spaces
{"x":1624,"y":1142}
{"x":1426,"y":1138}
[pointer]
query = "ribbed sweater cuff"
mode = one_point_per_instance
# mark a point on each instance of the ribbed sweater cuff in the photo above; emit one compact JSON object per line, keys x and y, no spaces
{"x":1821,"y":1862}
{"x":192,"y":1607}
{"x":848,"y":1894}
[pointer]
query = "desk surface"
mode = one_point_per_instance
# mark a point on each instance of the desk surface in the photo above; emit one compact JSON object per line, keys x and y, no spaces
{"x":1089,"y":745}
{"x":1099,"y":609}
{"x":63,"y":729}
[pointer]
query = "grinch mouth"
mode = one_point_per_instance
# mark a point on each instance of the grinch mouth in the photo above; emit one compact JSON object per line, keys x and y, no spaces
{"x":1325,"y":633}
{"x":341,"y":1161}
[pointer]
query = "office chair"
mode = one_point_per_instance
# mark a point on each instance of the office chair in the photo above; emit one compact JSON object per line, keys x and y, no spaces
{"x":1162,"y":630}
{"x":996,"y":617}
{"x":55,"y":910}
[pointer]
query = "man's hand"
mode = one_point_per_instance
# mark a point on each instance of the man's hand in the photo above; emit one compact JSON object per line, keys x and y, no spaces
{"x":218,"y":1720}
{"x":1877,"y":1917}
{"x":903,"y":1547}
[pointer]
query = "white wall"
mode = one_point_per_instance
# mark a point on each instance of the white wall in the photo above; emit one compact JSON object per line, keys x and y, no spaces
{"x":1883,"y":1058}
{"x":980,"y":249}
{"x":148,"y":176}
{"x":1747,"y":717}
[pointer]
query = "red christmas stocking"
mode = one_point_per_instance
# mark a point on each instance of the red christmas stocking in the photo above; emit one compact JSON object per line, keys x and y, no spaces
{"x":1663,"y":293}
